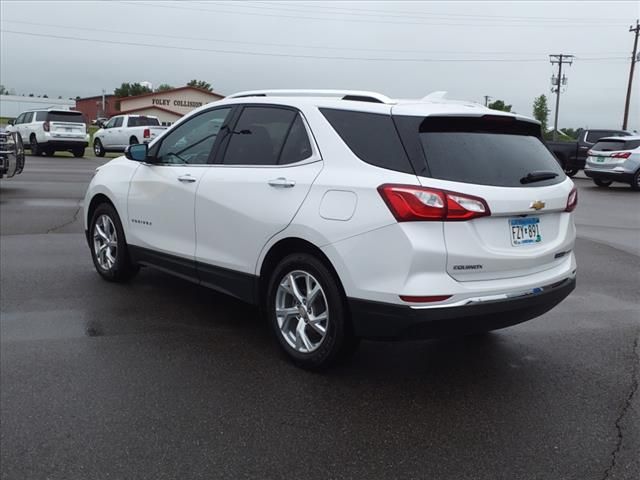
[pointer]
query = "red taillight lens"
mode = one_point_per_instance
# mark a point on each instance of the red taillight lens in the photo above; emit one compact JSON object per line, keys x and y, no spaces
{"x":621,"y":155}
{"x":424,"y":299}
{"x":410,"y":203}
{"x":45,"y":126}
{"x":572,"y":201}
{"x":146,"y":133}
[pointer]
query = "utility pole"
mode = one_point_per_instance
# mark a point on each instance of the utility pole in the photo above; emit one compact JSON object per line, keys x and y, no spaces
{"x":560,"y":59}
{"x":486,"y":100}
{"x":633,"y":64}
{"x":104,"y":111}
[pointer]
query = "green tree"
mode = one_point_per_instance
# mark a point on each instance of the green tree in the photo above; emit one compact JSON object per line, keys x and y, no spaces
{"x":131,"y":90}
{"x":500,"y":105}
{"x":3,"y":90}
{"x":164,"y":87}
{"x":541,"y":111}
{"x":201,"y":84}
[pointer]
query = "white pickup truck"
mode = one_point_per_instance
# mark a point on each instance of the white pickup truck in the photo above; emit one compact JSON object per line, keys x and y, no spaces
{"x":124,"y":130}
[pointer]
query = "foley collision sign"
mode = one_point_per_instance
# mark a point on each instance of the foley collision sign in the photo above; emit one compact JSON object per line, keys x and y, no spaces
{"x":176,"y":103}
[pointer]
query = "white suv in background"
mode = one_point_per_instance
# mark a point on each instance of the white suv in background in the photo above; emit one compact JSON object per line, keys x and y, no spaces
{"x":346,"y":215}
{"x":52,"y":130}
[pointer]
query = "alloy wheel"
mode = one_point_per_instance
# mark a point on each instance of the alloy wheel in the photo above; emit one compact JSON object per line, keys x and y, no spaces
{"x":302,"y":311}
{"x":105,"y":242}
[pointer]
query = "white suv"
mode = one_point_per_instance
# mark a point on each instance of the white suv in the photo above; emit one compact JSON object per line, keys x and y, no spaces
{"x":52,"y":130}
{"x":346,"y":215}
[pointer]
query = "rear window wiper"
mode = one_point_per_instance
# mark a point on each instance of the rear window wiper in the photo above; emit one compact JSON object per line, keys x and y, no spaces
{"x":537,"y":177}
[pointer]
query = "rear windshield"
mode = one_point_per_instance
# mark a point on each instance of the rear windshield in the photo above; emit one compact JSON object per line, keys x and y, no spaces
{"x":486,"y":151}
{"x":74,"y":117}
{"x":594,"y":135}
{"x":143,"y":122}
{"x":616,"y":145}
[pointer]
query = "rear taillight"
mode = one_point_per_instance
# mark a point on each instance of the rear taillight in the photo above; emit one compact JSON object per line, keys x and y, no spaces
{"x":572,"y":200}
{"x":409,"y":203}
{"x":621,"y":155}
{"x":146,"y":133}
{"x":45,"y":126}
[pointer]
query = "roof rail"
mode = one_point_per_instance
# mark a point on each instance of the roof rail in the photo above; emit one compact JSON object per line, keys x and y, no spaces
{"x":357,"y":95}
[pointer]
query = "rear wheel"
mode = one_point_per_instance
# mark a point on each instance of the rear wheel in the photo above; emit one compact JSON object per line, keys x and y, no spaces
{"x":109,"y":247}
{"x":78,"y":152}
{"x":635,"y":183}
{"x":602,"y":183}
{"x":98,"y":149}
{"x":133,"y":141}
{"x":570,"y":172}
{"x":49,"y":152}
{"x":307,"y":312}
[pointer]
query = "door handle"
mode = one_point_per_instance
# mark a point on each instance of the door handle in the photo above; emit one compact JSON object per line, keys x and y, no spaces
{"x":282,"y":182}
{"x":186,"y":179}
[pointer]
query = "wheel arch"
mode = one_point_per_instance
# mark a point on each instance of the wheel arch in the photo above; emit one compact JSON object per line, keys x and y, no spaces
{"x":98,"y":199}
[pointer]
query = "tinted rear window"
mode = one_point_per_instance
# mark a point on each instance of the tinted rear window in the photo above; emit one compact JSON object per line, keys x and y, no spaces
{"x":486,"y":152}
{"x":372,"y":137}
{"x":143,"y":122}
{"x":594,"y":135}
{"x":616,"y":145}
{"x":75,"y":117}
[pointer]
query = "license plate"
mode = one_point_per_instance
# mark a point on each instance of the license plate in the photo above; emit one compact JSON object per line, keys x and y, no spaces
{"x":525,"y":231}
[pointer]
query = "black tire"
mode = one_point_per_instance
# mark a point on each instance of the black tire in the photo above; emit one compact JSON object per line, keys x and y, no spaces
{"x":123,"y":269}
{"x":635,"y":182}
{"x":98,"y":149}
{"x":338,"y":341}
{"x":602,"y":183}
{"x":78,"y":152}
{"x":133,"y":141}
{"x":571,"y":172}
{"x":49,"y":152}
{"x":36,"y":151}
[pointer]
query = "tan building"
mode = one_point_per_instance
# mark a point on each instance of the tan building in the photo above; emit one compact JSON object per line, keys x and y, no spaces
{"x":169,"y":105}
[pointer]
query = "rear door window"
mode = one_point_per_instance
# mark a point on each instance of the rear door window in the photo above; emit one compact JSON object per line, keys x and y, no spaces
{"x":497,"y":152}
{"x":72,"y":117}
{"x":372,"y":137}
{"x":615,"y":145}
{"x":259,"y":136}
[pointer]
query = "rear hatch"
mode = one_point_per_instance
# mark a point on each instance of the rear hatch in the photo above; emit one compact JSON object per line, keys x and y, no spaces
{"x":609,"y":153}
{"x":503,"y":161}
{"x":66,"y":124}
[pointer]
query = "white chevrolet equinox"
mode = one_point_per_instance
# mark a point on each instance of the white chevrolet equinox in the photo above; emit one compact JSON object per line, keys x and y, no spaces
{"x":346,"y":215}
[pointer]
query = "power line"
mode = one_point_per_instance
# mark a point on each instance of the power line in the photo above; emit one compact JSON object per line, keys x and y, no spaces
{"x":412,"y":14}
{"x":353,"y":20}
{"x":279,"y":45}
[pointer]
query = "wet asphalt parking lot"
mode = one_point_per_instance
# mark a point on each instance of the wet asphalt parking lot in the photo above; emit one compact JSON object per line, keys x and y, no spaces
{"x":162,"y":379}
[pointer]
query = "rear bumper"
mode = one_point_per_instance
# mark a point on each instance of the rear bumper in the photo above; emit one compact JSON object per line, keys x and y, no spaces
{"x":389,"y":321}
{"x":64,"y":144}
{"x":625,"y":177}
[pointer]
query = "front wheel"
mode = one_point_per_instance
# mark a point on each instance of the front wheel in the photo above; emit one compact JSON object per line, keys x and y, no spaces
{"x":308,"y":313}
{"x":602,"y":183}
{"x":635,"y":183}
{"x":109,"y":247}
{"x":35,"y":148}
{"x":98,"y":149}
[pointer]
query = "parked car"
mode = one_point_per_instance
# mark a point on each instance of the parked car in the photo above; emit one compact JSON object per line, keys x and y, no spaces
{"x":573,"y":155}
{"x":615,"y":159}
{"x":11,"y":154}
{"x":124,"y":130}
{"x":345,"y":215}
{"x":52,"y":130}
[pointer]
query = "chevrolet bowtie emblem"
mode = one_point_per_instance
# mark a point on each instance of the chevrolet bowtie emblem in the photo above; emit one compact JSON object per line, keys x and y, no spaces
{"x":537,"y":205}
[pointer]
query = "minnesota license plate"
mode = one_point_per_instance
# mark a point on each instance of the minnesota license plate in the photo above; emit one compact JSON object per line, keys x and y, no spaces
{"x":525,"y":231}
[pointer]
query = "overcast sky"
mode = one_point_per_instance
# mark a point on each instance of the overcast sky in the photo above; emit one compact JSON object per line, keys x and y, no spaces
{"x":402,"y":49}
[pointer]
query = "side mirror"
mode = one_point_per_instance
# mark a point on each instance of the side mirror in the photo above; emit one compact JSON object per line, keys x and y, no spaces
{"x":11,"y":122}
{"x":137,"y":153}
